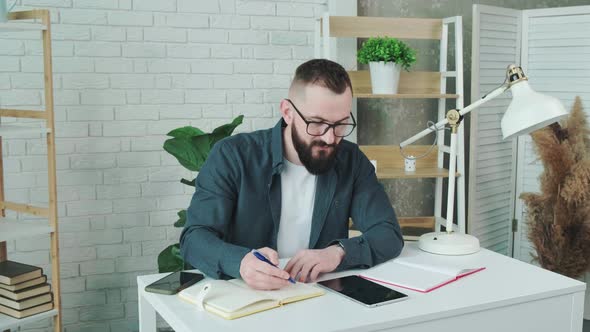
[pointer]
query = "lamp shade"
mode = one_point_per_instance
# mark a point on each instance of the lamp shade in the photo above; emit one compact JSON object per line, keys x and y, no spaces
{"x":529,"y":111}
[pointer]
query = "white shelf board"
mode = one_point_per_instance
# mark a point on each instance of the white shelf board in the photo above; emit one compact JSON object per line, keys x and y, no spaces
{"x":11,"y":229}
{"x":20,"y":130}
{"x":21,"y":26}
{"x":7,"y":322}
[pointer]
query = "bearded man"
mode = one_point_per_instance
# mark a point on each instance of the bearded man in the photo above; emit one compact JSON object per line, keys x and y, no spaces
{"x":289,"y":192}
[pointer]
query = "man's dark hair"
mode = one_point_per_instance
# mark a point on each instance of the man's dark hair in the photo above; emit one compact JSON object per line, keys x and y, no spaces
{"x":325,"y":73}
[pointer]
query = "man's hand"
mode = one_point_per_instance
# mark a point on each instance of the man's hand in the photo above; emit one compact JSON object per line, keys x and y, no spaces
{"x":309,"y":263}
{"x":261,"y":275}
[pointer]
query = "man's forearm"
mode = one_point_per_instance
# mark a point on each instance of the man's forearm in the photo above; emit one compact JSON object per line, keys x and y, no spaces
{"x":377,"y":245}
{"x":200,"y":247}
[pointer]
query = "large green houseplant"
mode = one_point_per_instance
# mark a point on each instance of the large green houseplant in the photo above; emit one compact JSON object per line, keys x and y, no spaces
{"x":386,"y":57}
{"x":191,"y":147}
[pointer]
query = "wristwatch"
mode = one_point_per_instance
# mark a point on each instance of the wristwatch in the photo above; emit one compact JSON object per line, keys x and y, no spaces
{"x":342,"y":246}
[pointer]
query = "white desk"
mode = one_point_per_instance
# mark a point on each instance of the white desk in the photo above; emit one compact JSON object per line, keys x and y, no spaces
{"x":508,"y":296}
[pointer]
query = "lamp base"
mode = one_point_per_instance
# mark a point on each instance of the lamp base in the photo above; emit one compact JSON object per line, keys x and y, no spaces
{"x":443,"y":243}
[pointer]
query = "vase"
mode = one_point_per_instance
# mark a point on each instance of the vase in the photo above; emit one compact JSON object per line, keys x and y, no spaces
{"x":384,"y":77}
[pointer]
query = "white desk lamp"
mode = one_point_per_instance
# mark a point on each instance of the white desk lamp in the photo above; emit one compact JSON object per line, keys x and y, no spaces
{"x":527,"y":112}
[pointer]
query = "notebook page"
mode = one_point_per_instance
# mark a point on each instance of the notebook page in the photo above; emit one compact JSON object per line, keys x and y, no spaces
{"x":290,"y":293}
{"x":245,"y":311}
{"x":449,"y":265}
{"x":406,"y":276}
{"x":226,"y":296}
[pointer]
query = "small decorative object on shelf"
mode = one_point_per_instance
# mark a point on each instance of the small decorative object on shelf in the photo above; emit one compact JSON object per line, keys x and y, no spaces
{"x":386,"y":58}
{"x":410,"y":164}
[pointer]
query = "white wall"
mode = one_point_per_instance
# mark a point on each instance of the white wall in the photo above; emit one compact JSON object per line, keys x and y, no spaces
{"x":126,"y":72}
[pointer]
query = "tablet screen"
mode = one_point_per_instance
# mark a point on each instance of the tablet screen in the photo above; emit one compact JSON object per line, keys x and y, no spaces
{"x":174,"y":282}
{"x":363,"y":290}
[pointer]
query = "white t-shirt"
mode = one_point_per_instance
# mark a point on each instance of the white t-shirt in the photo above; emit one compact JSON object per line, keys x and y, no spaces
{"x":297,"y":200}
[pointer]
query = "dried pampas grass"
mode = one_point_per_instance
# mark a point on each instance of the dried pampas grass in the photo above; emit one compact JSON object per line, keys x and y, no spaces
{"x":559,"y":216}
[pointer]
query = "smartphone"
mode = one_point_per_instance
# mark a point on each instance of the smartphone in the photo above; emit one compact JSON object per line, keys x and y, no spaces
{"x":363,"y":291}
{"x":174,"y":282}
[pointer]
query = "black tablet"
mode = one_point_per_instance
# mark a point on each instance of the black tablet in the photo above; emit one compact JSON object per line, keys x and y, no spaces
{"x":174,"y":282}
{"x":363,"y":291}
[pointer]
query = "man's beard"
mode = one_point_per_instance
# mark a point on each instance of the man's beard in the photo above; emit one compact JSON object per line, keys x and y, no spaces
{"x":315,"y":166}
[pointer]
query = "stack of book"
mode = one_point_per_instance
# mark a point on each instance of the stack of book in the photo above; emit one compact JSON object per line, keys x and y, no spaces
{"x":24,"y":290}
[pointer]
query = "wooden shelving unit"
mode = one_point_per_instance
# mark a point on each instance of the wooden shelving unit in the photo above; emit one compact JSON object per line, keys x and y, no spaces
{"x":11,"y":229}
{"x":7,"y":322}
{"x":18,"y":26}
{"x":18,"y":130}
{"x":405,"y":96}
{"x":390,"y":162}
{"x":412,"y":85}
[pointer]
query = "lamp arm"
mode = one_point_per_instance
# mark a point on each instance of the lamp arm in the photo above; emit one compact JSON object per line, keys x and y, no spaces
{"x":424,"y":132}
{"x":495,"y":93}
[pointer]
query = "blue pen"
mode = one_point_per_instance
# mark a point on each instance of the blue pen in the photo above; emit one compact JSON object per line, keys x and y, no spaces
{"x":264,"y":259}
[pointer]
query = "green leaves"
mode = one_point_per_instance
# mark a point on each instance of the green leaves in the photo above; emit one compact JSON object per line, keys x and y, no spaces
{"x":169,"y":260}
{"x":191,"y":146}
{"x":388,"y":50}
{"x":181,"y":219}
{"x":184,"y":132}
{"x":190,"y":151}
{"x":225,"y":130}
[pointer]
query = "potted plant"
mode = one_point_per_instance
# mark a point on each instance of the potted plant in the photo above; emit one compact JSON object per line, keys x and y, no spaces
{"x":190,"y":146}
{"x":386,"y":57}
{"x":559,"y":216}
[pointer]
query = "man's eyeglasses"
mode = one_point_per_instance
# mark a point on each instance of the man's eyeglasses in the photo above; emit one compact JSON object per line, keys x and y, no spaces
{"x":319,"y":128}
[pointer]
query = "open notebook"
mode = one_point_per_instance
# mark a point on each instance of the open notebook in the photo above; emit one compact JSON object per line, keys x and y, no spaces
{"x":420,"y":271}
{"x":234,"y":299}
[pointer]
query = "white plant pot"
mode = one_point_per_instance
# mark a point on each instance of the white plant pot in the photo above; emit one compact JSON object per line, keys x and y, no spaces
{"x":384,"y":77}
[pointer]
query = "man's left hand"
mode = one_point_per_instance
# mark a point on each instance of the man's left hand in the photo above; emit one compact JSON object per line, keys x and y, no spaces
{"x":309,"y":263}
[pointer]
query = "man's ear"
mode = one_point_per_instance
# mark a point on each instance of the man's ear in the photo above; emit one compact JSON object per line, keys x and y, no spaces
{"x":286,"y":111}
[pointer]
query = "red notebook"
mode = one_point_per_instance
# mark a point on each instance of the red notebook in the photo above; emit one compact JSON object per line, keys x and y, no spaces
{"x":422,"y":272}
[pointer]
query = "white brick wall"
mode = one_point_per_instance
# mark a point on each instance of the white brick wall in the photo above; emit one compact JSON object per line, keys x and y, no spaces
{"x":126,"y":72}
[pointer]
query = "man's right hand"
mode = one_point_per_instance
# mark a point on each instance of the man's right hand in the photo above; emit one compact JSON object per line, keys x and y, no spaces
{"x":261,"y":275}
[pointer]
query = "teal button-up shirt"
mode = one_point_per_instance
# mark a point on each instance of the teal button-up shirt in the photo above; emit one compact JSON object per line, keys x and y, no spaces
{"x":237,"y":206}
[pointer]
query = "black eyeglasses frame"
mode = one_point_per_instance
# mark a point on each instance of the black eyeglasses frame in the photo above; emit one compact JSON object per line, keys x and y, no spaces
{"x":329,"y":125}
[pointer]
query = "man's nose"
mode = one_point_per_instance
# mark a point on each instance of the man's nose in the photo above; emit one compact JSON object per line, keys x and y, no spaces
{"x":329,"y":136}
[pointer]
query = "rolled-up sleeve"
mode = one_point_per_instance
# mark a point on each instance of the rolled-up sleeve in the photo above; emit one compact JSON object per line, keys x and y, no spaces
{"x":374,"y":216}
{"x":210,"y":214}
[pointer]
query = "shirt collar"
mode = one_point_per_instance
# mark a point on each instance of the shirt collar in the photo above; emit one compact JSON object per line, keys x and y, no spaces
{"x":277,"y":146}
